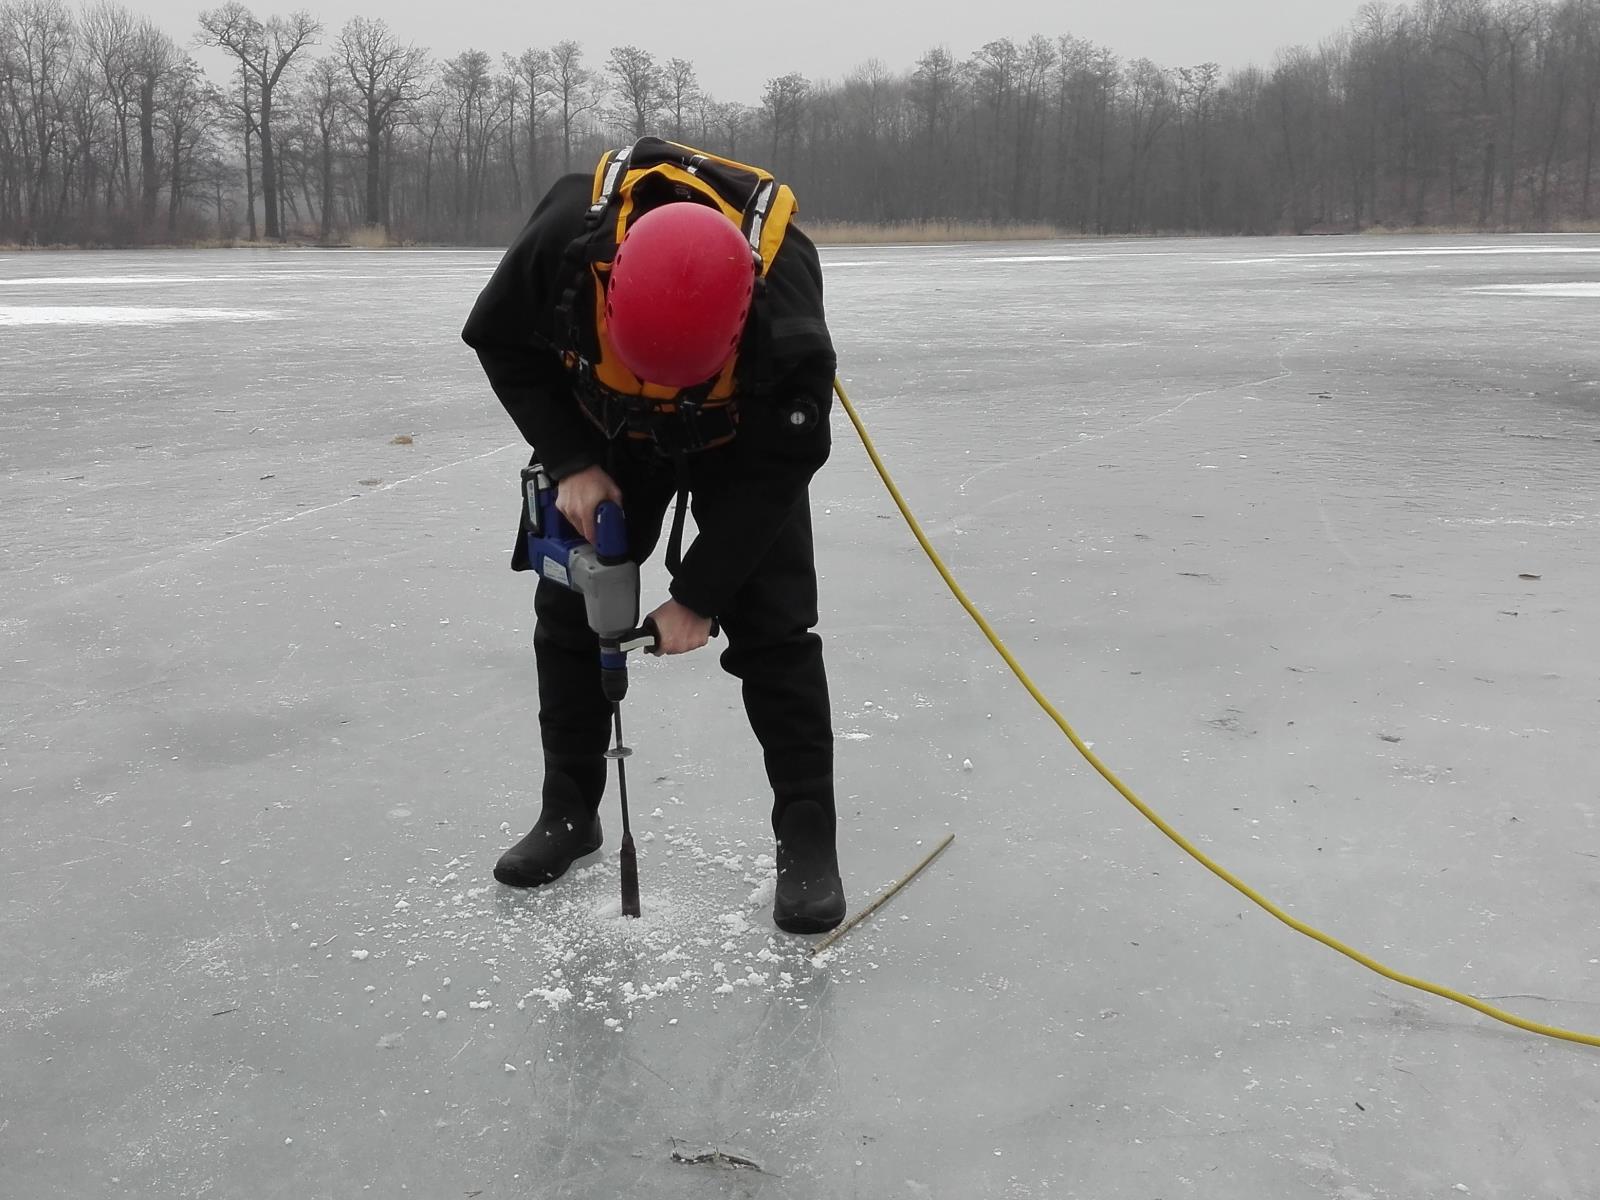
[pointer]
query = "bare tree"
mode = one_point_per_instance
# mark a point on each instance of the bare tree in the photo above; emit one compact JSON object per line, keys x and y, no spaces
{"x":39,"y":38}
{"x":265,"y":52}
{"x":572,"y":87}
{"x":109,"y":31}
{"x":730,"y":122}
{"x":153,"y":56}
{"x":326,"y":101}
{"x":638,"y":84}
{"x":1587,"y":39}
{"x":241,"y":106}
{"x":783,"y":102}
{"x":932,"y":97}
{"x":680,"y":96}
{"x":387,"y":77}
{"x":478,"y":108}
{"x":188,"y":110}
{"x":531,"y":70}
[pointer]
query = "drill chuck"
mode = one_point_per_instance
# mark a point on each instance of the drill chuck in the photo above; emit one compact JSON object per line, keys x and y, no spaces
{"x":614,"y":673}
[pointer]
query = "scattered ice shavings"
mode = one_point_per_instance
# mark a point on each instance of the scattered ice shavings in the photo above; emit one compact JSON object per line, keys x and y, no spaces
{"x":440,"y":1015}
{"x":509,"y":1069}
{"x":764,"y":893}
{"x":360,"y":955}
{"x":966,"y":764}
{"x":574,"y":949}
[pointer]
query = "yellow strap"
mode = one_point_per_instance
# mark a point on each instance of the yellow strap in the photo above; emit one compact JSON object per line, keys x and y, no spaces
{"x":1155,"y":818}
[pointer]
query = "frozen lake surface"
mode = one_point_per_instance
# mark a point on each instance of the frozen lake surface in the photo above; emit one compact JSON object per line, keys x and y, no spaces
{"x":1303,"y":535}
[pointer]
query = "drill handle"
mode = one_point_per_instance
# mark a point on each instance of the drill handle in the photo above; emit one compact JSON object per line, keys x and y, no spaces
{"x":647,"y":638}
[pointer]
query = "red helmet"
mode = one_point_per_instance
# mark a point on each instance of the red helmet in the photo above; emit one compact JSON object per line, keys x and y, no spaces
{"x":679,"y":294}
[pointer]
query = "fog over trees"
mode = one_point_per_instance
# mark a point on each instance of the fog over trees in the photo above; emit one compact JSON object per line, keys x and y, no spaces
{"x":1475,"y":113}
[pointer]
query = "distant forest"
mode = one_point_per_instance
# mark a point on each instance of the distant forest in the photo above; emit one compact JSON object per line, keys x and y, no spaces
{"x":1441,"y":113}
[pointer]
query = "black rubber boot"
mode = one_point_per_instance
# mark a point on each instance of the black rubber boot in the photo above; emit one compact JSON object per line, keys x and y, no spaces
{"x":567,"y":829}
{"x":810,"y":894}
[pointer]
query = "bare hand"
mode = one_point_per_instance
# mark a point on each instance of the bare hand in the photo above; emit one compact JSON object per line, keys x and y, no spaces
{"x":579,"y":494}
{"x":681,"y":629}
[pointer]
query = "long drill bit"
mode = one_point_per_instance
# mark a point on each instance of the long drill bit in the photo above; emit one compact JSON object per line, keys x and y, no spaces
{"x":629,"y":857}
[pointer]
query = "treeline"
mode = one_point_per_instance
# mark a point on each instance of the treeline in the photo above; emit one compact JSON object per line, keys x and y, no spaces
{"x":1443,"y":112}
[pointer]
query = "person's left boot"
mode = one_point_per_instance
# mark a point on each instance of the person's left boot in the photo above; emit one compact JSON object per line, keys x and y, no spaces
{"x":568,"y":827}
{"x":810,"y":894}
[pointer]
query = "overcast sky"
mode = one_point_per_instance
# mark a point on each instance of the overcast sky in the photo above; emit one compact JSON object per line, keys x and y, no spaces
{"x":737,"y":45}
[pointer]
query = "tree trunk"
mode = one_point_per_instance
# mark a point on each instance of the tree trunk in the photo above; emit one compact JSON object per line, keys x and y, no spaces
{"x":249,"y":156}
{"x":1557,"y":124}
{"x":374,"y":134}
{"x":250,"y":183}
{"x":386,"y":188}
{"x":269,"y":173}
{"x":1486,"y":185}
{"x":325,"y":231}
{"x":1588,"y":155}
{"x":149,"y":173}
{"x":175,"y":191}
{"x":1511,"y":141}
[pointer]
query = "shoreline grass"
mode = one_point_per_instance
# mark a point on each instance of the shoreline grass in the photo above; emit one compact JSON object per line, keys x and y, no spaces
{"x":861,"y":233}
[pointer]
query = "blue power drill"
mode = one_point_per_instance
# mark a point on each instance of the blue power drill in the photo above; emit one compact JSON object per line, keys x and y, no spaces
{"x":603,"y":574}
{"x":608,"y":580}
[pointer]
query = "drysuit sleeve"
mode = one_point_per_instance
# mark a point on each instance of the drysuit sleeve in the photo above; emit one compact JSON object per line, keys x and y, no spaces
{"x":783,"y":440}
{"x":512,"y":327}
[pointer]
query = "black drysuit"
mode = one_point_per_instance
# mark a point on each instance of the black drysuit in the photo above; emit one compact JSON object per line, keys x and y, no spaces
{"x":751,"y":566}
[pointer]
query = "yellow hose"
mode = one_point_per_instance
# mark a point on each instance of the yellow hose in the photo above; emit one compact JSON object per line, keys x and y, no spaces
{"x":1155,"y":818}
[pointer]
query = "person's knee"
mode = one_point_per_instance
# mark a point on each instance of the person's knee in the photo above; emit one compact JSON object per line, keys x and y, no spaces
{"x":773,"y":649}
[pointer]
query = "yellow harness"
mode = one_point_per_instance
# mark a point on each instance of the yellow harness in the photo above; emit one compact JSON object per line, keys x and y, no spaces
{"x":628,"y":183}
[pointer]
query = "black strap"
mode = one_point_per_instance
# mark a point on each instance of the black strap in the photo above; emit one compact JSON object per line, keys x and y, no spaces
{"x":687,"y":429}
{"x":589,"y":247}
{"x":675,"y":538}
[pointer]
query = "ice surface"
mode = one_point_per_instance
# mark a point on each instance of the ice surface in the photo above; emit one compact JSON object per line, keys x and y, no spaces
{"x":1304,"y":535}
{"x":93,"y":314}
